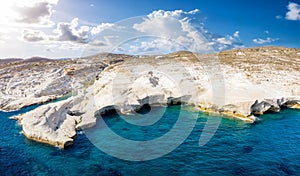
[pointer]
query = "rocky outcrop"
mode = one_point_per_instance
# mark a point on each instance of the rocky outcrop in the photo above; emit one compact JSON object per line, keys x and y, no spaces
{"x":50,"y":123}
{"x":240,"y":83}
{"x":273,"y":105}
{"x":36,"y":81}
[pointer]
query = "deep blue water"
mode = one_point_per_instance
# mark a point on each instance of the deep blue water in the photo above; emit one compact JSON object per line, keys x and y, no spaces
{"x":270,"y":147}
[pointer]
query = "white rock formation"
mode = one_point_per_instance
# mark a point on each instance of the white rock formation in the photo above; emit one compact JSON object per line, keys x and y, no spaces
{"x":235,"y":85}
{"x":51,"y":123}
{"x":26,"y":83}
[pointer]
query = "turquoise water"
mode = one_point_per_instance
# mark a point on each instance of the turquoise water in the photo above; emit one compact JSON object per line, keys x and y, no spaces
{"x":270,"y":147}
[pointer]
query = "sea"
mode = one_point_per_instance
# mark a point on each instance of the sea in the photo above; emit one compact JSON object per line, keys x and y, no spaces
{"x":269,"y":147}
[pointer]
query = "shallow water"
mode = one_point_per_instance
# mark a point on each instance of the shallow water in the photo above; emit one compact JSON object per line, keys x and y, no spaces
{"x":270,"y":147}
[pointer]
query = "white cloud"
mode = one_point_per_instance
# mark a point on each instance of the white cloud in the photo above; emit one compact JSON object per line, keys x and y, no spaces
{"x":38,"y":13}
{"x":30,"y":35}
{"x":34,"y":12}
{"x":174,"y":13}
{"x":160,"y":23}
{"x":194,"y":11}
{"x":264,"y":41}
{"x":294,"y":11}
{"x":100,"y":28}
{"x":71,"y":32}
{"x":67,"y":31}
{"x":237,"y":34}
{"x":230,"y":41}
{"x":176,"y":26}
{"x":224,"y":41}
{"x":154,"y":46}
{"x":3,"y":37}
{"x":278,"y":17}
{"x":62,"y":49}
{"x":157,"y":33}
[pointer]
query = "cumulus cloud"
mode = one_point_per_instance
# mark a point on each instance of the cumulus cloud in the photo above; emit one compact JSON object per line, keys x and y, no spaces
{"x":176,"y":26}
{"x":30,"y":35}
{"x":294,"y":11}
{"x":100,"y":28}
{"x":33,"y":12}
{"x":71,"y":32}
{"x":80,"y":34}
{"x":223,"y":41}
{"x":38,"y":13}
{"x":264,"y":41}
{"x":227,"y":42}
{"x":67,"y":32}
{"x":160,"y":23}
{"x":160,"y":31}
{"x":172,"y":27}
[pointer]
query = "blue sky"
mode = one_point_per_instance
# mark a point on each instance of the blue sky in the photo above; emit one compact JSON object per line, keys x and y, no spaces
{"x":64,"y":28}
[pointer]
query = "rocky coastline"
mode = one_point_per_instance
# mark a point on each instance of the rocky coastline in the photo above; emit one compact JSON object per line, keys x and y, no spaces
{"x":241,"y":83}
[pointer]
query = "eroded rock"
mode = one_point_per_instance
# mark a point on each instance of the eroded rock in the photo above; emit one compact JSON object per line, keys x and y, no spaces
{"x":227,"y":86}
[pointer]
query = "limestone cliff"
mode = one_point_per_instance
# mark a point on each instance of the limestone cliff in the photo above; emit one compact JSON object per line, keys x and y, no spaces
{"x":240,"y":83}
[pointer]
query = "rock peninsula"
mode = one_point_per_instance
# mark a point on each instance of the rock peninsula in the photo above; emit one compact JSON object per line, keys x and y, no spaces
{"x":240,"y":83}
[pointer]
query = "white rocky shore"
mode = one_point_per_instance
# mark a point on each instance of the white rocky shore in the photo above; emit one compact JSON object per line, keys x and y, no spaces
{"x":238,"y":83}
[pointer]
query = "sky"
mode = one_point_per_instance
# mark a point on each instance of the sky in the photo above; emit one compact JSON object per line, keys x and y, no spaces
{"x":75,"y":28}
